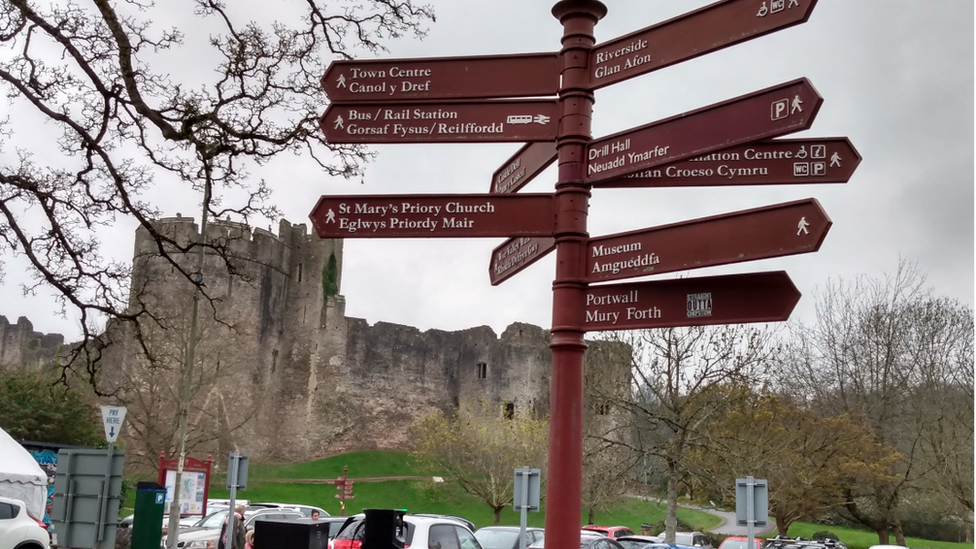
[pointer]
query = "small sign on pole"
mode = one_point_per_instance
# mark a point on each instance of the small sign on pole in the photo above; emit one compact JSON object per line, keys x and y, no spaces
{"x":526,"y":497}
{"x":112,"y":418}
{"x":751,"y":505}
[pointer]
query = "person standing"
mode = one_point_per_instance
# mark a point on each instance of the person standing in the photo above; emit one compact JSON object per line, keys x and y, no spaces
{"x":239,"y":540}
{"x":315,"y":515}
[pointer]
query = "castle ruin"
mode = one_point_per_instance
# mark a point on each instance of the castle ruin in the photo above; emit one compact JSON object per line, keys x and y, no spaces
{"x":279,"y":370}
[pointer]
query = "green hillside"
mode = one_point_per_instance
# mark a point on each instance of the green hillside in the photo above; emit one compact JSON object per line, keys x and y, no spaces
{"x":393,"y":480}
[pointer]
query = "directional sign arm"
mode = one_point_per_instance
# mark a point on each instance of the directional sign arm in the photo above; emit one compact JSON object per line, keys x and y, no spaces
{"x":772,"y":112}
{"x":523,"y":166}
{"x":515,"y":254}
{"x":696,"y":33}
{"x":444,"y":122}
{"x":747,"y":235}
{"x":731,"y":299}
{"x":475,"y":77}
{"x":434,"y":216}
{"x":773,"y":162}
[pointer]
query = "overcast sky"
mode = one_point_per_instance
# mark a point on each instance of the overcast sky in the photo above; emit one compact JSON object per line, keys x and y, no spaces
{"x":897,"y":80}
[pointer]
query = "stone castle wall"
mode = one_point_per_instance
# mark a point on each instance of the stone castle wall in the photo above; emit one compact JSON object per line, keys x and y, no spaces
{"x":21,"y":348}
{"x":279,"y":369}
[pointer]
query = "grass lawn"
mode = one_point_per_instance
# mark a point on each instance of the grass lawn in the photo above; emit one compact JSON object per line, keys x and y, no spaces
{"x":862,"y":539}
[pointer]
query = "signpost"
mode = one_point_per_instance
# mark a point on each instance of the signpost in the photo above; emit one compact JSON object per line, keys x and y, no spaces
{"x":760,"y":233}
{"x":344,"y":487}
{"x":751,"y":505}
{"x":521,"y":168}
{"x":525,"y":75}
{"x":485,"y":122}
{"x":774,"y":162}
{"x":516,"y":254}
{"x":730,"y":299}
{"x":696,"y":33}
{"x":112,"y":418}
{"x":775,"y":111}
{"x":451,"y":215}
{"x":429,"y":101}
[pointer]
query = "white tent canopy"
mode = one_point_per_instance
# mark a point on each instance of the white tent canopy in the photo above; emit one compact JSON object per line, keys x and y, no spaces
{"x":21,"y":477}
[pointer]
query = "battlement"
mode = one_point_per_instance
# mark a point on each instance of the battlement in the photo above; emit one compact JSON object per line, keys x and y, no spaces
{"x":240,"y":240}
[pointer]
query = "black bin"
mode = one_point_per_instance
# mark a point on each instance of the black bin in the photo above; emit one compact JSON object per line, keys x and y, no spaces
{"x":292,"y":534}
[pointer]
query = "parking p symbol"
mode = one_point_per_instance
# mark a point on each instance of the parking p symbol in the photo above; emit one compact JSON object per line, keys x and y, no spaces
{"x":780,"y":109}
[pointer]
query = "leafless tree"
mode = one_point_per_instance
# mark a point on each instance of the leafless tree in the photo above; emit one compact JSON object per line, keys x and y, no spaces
{"x":676,"y":374}
{"x":107,"y":104}
{"x":899,"y":359}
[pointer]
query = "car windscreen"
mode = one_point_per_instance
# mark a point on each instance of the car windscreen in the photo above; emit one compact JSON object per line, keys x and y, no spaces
{"x":497,"y":539}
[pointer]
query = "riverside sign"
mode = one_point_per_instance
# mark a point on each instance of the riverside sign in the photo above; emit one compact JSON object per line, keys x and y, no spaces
{"x":507,"y":98}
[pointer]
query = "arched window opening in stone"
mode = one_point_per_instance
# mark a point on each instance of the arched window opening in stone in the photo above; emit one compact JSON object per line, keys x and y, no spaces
{"x":509,"y":410}
{"x":482,"y":370}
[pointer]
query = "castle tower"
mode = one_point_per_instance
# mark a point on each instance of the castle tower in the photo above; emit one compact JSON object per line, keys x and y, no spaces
{"x":263,"y":300}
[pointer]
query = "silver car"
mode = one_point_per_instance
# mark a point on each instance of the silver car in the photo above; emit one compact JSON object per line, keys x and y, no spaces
{"x":208,"y":528}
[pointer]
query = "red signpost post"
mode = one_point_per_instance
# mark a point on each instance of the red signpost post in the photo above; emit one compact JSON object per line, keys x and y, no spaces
{"x":760,"y":233}
{"x":723,"y":144}
{"x":775,"y":162}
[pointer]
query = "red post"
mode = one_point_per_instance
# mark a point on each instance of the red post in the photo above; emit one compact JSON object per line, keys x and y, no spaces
{"x":564,"y":488}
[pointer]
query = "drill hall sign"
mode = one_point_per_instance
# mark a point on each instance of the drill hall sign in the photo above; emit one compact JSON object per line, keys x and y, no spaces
{"x":545,"y":100}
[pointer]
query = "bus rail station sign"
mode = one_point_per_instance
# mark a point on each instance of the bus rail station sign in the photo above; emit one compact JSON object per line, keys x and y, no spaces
{"x":431,"y":216}
{"x":695,"y":33}
{"x":485,"y":121}
{"x":515,"y":254}
{"x":775,"y":111}
{"x":747,"y":235}
{"x":495,"y":76}
{"x":774,"y":162}
{"x":729,"y":299}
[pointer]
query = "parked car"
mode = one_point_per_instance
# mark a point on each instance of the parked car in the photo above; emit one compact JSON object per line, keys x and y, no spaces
{"x":506,"y":537}
{"x":19,"y":529}
{"x":692,"y":539}
{"x":741,"y":542}
{"x":597,"y":541}
{"x":610,"y":531}
{"x":420,"y":532}
{"x":462,"y":520}
{"x":643,"y":544}
{"x":304,"y":509}
{"x":186,"y":521}
{"x":208,"y":528}
{"x":638,"y":541}
{"x":783,"y":542}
